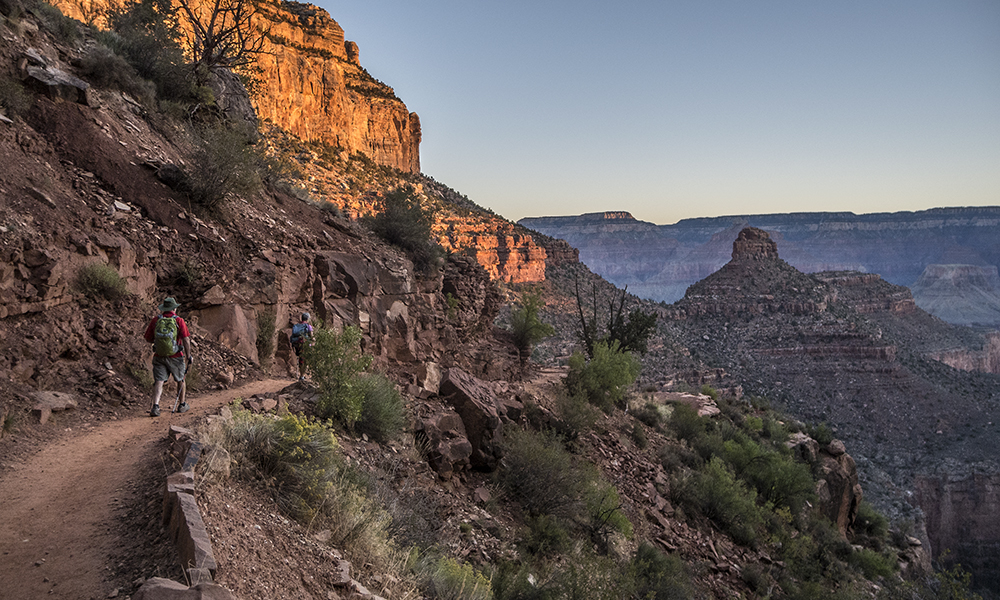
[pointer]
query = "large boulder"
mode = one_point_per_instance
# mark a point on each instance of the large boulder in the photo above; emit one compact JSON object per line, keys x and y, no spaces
{"x":475,"y":401}
{"x":838,"y":490}
{"x":448,"y":448}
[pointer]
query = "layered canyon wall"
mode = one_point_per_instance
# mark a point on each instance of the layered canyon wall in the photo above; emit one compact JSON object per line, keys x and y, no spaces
{"x":660,"y":261}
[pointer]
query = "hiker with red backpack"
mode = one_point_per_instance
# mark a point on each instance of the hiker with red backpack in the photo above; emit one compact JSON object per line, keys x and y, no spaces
{"x":302,"y":333}
{"x":171,"y":353}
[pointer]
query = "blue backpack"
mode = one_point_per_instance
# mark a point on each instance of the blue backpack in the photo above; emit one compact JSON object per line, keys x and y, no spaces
{"x":300,"y":332}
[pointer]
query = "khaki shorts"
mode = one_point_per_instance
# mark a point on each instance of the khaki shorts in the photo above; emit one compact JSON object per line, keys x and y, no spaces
{"x":164,"y":366}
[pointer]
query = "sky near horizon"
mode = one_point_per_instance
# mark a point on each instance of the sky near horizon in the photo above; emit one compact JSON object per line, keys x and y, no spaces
{"x":679,"y":109}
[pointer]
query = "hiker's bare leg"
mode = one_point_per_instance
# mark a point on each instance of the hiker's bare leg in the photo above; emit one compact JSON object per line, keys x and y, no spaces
{"x":157,"y":392}
{"x":182,"y":391}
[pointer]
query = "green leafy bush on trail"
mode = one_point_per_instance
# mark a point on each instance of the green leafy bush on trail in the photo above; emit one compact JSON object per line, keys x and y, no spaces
{"x":719,"y":495}
{"x":336,"y":364}
{"x":99,"y":279}
{"x":604,"y":379}
{"x":526,"y":326}
{"x":382,"y":412}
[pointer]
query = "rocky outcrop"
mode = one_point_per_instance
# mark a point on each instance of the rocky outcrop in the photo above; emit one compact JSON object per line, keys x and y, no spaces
{"x":660,"y":261}
{"x":986,"y":360}
{"x":755,"y":282}
{"x":508,"y":253}
{"x":838,"y":490}
{"x":960,"y":294}
{"x":313,"y":85}
{"x":961,"y":507}
{"x":476,"y":403}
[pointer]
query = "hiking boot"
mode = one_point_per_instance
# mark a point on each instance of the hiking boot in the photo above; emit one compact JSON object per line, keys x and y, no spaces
{"x":183,"y":407}
{"x":155,"y":411}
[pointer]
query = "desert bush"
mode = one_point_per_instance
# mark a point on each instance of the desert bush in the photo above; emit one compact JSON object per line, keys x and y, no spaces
{"x":649,"y":413}
{"x":226,"y":162}
{"x":336,"y":362}
{"x":62,"y":27}
{"x":299,"y":459}
{"x":575,"y":414}
{"x":776,"y":477}
{"x":142,"y":376}
{"x":873,"y":564}
{"x":148,"y":37}
{"x":382,"y":412}
{"x":13,"y":97}
{"x":546,"y":536}
{"x":99,"y":279}
{"x":447,"y":579}
{"x":659,"y":576}
{"x":527,"y":328}
{"x":540,"y":474}
{"x":821,"y":433}
{"x":604,"y":513}
{"x":605,"y":378}
{"x":686,"y":423}
{"x":870,"y":522}
{"x":404,"y":223}
{"x":639,"y":435}
{"x":719,"y":495}
{"x":102,"y":67}
{"x":265,"y":335}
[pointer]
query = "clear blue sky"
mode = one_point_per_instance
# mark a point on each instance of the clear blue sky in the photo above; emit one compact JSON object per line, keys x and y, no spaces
{"x":695,"y":108}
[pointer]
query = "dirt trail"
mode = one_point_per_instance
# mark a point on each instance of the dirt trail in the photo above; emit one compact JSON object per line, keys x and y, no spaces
{"x":58,"y":509}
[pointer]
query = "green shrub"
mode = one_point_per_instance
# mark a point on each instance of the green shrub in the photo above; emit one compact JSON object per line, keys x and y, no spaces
{"x":300,"y":460}
{"x":99,"y":279}
{"x":546,"y":536}
{"x":527,"y":328}
{"x":540,"y":474}
{"x":821,"y":433}
{"x":872,"y":563}
{"x":605,"y":514}
{"x":13,"y":97}
{"x":870,"y":522}
{"x":335,"y":361}
{"x":404,"y":223}
{"x":102,"y":67}
{"x":719,"y":495}
{"x":226,"y":162}
{"x":62,"y":27}
{"x":145,"y":34}
{"x":686,"y":423}
{"x":659,"y":576}
{"x":575,"y":413}
{"x":649,"y":413}
{"x":777,"y":477}
{"x":605,"y":378}
{"x":639,"y":436}
{"x":265,"y":335}
{"x":382,"y":412}
{"x":447,"y":579}
{"x":142,"y":376}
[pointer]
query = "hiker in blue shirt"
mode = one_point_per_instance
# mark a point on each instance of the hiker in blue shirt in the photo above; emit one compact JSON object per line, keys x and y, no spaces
{"x":302,"y":333}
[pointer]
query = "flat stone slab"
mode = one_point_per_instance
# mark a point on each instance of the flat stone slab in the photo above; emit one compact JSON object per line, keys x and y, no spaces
{"x":52,"y":402}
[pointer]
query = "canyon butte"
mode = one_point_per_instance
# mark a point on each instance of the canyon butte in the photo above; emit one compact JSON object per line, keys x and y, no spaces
{"x":91,"y":177}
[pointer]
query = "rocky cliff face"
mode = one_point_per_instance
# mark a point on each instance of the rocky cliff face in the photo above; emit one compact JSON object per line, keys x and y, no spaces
{"x":961,"y":294}
{"x":660,"y":261}
{"x":314,"y":86}
{"x":961,"y":509}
